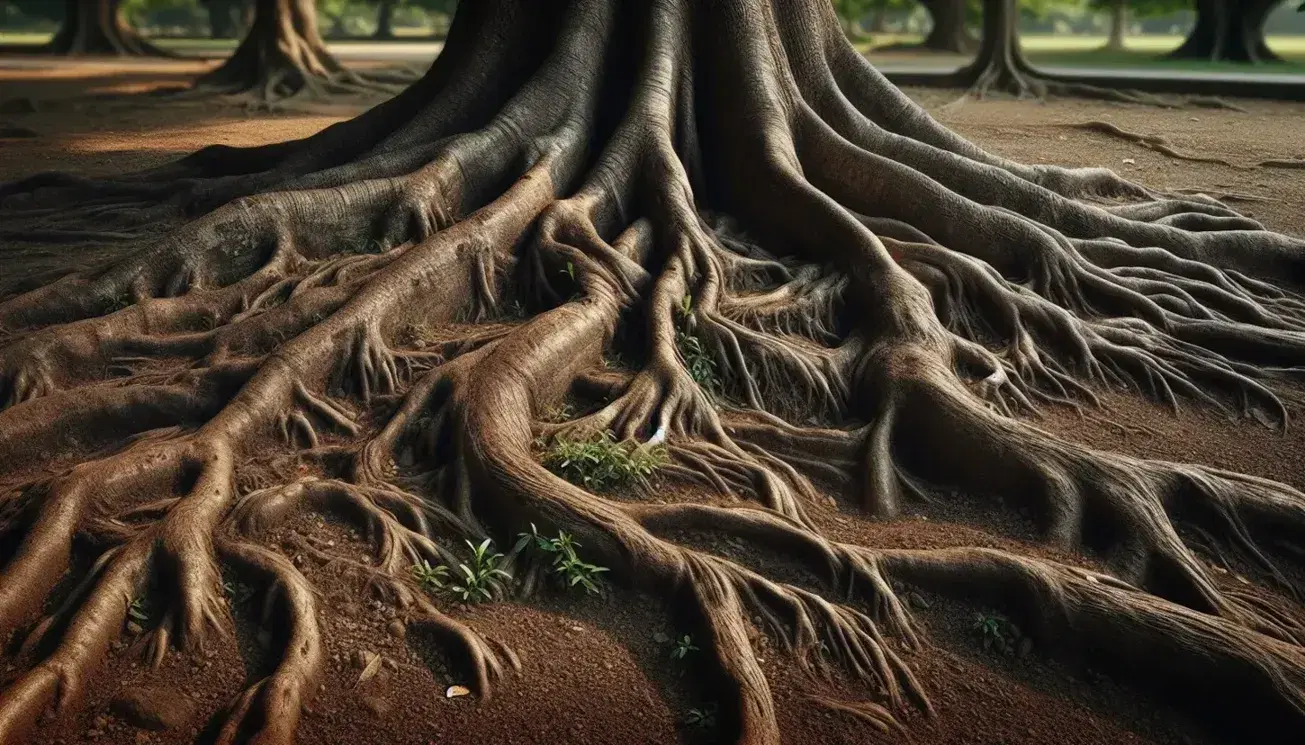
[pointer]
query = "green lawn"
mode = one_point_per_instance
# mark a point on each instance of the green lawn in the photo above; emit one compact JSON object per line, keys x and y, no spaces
{"x":1042,"y":49}
{"x":23,"y":39}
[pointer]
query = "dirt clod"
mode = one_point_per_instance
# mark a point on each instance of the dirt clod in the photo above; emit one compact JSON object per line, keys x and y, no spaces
{"x":154,"y":707}
{"x":397,"y":629}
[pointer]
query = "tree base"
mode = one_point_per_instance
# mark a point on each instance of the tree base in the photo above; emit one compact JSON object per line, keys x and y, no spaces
{"x":383,"y":323}
{"x":91,"y":40}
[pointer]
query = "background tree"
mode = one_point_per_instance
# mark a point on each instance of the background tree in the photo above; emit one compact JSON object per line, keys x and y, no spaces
{"x":385,"y":19}
{"x":284,"y":55}
{"x":1228,"y":30}
{"x":950,"y":30}
{"x":98,"y":27}
{"x":376,"y":320}
{"x":1119,"y":12}
{"x":850,"y":13}
{"x":225,"y":18}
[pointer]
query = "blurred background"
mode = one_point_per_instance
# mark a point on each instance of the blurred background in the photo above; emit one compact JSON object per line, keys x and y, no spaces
{"x":895,"y":34}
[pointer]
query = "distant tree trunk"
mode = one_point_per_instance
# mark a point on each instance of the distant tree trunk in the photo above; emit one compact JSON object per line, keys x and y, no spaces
{"x":222,"y":22}
{"x":949,"y":33}
{"x":1118,"y":24}
{"x":385,"y":20}
{"x":337,"y":29}
{"x":283,"y":54}
{"x":1229,"y":31}
{"x":852,"y":27}
{"x":97,"y":27}
{"x":879,"y":19}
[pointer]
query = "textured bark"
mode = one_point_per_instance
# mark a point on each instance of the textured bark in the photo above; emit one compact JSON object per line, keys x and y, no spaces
{"x":375,"y":322}
{"x":96,"y":27}
{"x":1228,"y":31}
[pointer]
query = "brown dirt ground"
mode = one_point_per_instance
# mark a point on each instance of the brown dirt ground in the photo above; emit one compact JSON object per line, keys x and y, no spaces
{"x":598,"y":670}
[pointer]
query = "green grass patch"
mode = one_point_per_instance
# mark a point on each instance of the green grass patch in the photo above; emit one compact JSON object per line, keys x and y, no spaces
{"x":602,"y":463}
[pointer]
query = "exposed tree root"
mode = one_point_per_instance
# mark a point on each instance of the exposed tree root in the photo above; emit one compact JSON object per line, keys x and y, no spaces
{"x":1153,"y":142}
{"x":815,"y":290}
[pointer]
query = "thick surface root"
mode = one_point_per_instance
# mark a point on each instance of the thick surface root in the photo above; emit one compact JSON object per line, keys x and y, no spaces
{"x":757,"y":260}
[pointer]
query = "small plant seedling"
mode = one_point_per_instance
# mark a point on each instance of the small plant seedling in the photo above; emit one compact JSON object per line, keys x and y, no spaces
{"x":514,"y":310}
{"x":684,"y":647}
{"x":432,"y":579}
{"x":138,"y":612}
{"x":482,"y":579}
{"x":699,"y":363}
{"x":704,"y":718}
{"x":566,"y":565}
{"x":996,"y":632}
{"x":686,"y":307}
{"x":560,"y":413}
{"x":602,"y":463}
{"x":239,"y":592}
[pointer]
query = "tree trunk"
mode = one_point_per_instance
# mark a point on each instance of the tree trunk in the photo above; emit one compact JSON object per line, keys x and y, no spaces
{"x":222,"y":18}
{"x":282,"y":55}
{"x":96,"y":27}
{"x":1118,"y":26}
{"x":1227,"y":31}
{"x":384,"y":20}
{"x":1000,"y":63}
{"x":706,"y":244}
{"x":949,"y":32}
{"x":879,"y":20}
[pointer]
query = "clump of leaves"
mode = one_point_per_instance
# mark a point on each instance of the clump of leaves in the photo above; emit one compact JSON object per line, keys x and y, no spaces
{"x":683,"y":647}
{"x":560,"y":413}
{"x":686,"y":307}
{"x":704,"y":718}
{"x":996,"y":632}
{"x":482,"y":579}
{"x":566,"y":564}
{"x":698,"y":361}
{"x":603,"y":463}
{"x":432,"y":579}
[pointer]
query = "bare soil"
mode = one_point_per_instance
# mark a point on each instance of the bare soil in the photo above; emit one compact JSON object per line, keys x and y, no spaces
{"x":598,"y":670}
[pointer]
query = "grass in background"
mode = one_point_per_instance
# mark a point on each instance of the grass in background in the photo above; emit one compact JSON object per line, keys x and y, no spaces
{"x":1047,"y":50}
{"x":1086,"y":51}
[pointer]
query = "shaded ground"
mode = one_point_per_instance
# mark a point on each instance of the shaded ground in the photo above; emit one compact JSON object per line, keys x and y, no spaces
{"x":599,"y":670}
